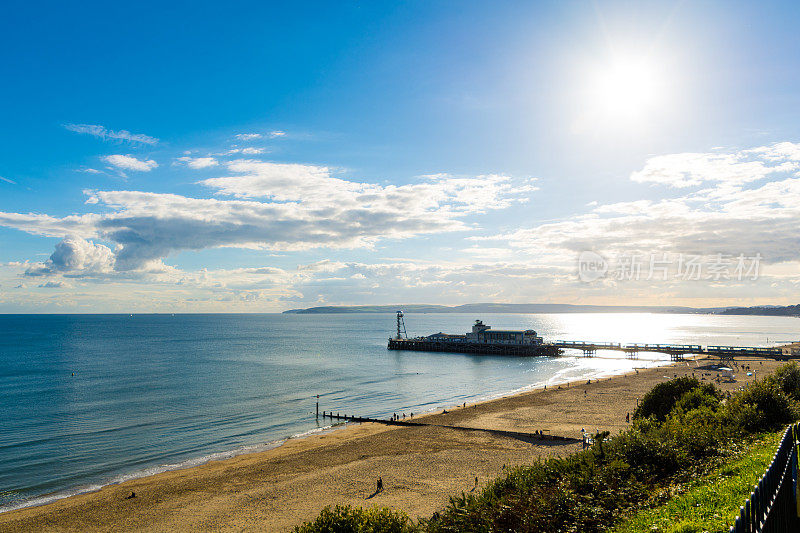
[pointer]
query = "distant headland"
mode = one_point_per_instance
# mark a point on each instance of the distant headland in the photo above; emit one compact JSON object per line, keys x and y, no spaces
{"x":791,"y":310}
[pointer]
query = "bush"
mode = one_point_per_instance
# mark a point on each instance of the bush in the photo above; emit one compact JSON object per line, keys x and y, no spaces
{"x":662,"y":398}
{"x":346,"y":519}
{"x":761,"y":407}
{"x":787,"y":377}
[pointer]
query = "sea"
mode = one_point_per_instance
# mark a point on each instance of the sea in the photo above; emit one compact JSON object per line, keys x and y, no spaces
{"x":91,"y":400}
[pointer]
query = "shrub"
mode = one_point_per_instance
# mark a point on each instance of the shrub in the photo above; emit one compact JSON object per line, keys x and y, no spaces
{"x":706,"y":397}
{"x":347,"y":519}
{"x":760,"y":407}
{"x":662,"y":398}
{"x":649,"y":449}
{"x":787,"y":377}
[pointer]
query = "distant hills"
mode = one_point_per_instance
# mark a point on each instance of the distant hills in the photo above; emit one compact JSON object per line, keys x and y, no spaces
{"x":482,"y":308}
{"x":767,"y":310}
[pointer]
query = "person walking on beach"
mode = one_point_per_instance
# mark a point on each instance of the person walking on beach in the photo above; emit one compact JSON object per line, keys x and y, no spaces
{"x":628,"y":418}
{"x":380,"y":485}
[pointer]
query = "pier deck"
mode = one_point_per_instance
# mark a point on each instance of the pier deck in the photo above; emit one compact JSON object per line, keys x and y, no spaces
{"x":676,"y":352}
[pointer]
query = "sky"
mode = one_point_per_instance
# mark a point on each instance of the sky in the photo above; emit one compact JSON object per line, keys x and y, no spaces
{"x":264,"y":156}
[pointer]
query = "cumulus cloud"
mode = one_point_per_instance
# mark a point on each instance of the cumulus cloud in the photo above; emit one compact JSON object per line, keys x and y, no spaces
{"x":106,"y":134}
{"x":316,"y":186}
{"x":691,"y":169}
{"x":76,"y":256}
{"x":127,"y":162}
{"x":734,"y":214}
{"x":276,"y":207}
{"x":198,"y":162}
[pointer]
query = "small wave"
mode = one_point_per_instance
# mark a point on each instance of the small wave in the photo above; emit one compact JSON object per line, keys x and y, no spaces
{"x":158,"y":469}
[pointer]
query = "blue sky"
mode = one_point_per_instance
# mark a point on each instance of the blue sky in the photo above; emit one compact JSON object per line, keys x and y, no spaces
{"x":263,"y":156}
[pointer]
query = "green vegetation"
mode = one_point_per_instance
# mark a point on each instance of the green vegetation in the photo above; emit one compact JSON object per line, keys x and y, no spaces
{"x":682,"y":431}
{"x":346,"y":518}
{"x":711,"y":503}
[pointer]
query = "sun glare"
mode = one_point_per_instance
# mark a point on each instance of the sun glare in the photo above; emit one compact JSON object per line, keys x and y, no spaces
{"x":625,"y":89}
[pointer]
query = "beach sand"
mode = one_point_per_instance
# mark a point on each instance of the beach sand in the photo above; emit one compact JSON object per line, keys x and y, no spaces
{"x":421,"y":467}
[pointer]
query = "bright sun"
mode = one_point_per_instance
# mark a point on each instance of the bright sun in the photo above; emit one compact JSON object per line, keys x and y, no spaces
{"x":624,"y":89}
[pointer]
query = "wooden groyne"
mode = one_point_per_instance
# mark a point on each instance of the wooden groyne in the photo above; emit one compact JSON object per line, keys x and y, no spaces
{"x":520,"y":435}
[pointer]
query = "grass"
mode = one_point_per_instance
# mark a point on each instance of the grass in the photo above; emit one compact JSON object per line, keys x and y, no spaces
{"x":712,"y":502}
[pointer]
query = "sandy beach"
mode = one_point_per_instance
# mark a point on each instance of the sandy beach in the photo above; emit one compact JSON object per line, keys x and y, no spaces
{"x":421,"y":467}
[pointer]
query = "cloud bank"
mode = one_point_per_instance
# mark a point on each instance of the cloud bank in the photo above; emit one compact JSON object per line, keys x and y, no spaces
{"x":283,"y":207}
{"x":718,"y":202}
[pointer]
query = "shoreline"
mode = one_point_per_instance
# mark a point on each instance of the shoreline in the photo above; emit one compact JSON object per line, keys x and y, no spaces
{"x":256,"y":448}
{"x":332,"y":461}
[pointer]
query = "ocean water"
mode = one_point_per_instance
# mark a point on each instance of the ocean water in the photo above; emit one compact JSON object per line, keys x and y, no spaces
{"x":89,"y":400}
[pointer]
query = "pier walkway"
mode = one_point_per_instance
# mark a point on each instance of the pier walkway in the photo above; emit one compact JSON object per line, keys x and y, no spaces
{"x":675,"y":351}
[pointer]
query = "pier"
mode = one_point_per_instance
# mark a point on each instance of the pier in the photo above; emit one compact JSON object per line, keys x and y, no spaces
{"x":677,"y":352}
{"x":425,"y":345}
{"x":526,"y":343}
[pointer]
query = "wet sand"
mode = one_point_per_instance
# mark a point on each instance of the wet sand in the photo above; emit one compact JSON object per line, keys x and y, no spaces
{"x":421,"y":467}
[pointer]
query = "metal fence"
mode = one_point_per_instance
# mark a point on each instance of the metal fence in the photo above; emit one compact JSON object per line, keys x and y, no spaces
{"x":773,"y":504}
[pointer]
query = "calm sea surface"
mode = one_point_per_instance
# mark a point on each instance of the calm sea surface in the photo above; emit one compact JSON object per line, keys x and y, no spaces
{"x":94,"y":399}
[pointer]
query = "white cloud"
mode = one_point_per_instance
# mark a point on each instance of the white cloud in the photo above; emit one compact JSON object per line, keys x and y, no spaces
{"x":255,"y":136}
{"x":54,"y":285}
{"x":76,"y":256}
{"x":732,"y":215}
{"x":8,"y":180}
{"x":106,"y":134}
{"x":248,"y":136}
{"x":128,"y":162}
{"x":315,"y":186}
{"x":199,"y":162}
{"x":279,"y":207}
{"x":691,"y":169}
{"x":252,"y":151}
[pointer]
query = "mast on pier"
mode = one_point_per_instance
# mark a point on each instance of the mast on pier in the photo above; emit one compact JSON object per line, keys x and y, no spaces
{"x":401,"y":326}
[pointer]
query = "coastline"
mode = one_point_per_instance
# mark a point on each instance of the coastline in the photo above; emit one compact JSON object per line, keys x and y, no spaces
{"x":222,"y":455}
{"x":422,"y":466}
